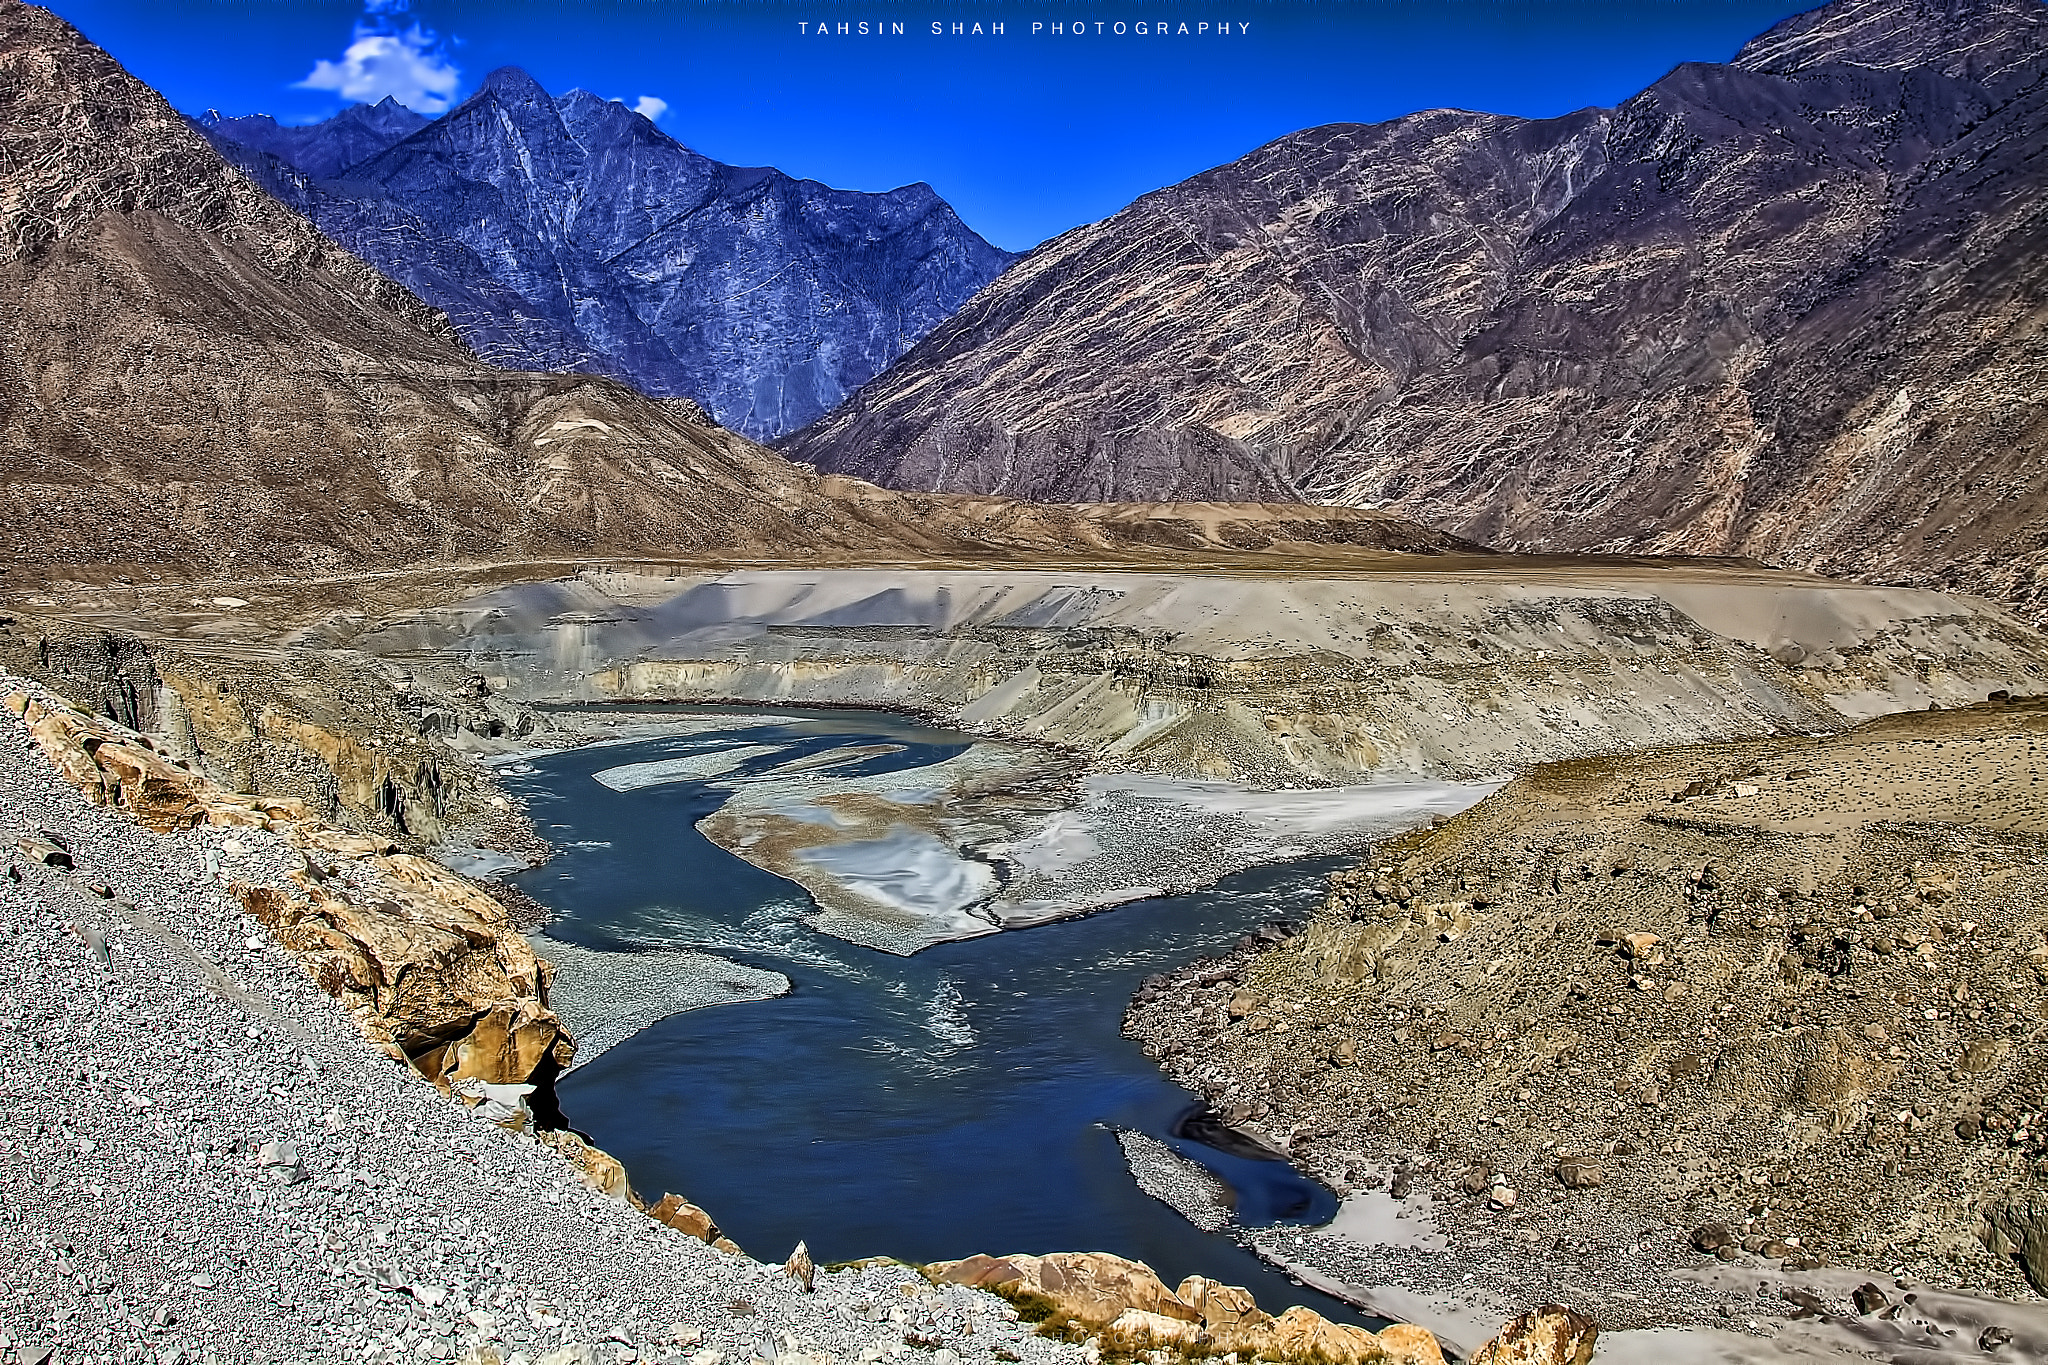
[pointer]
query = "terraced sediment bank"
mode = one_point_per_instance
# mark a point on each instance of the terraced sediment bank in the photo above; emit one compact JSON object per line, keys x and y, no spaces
{"x":1706,"y":1035}
{"x":1329,"y":675}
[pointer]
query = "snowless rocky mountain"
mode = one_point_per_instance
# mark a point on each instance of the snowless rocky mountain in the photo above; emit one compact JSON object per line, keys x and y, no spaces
{"x":1790,"y":307}
{"x":321,"y":150}
{"x":573,"y":235}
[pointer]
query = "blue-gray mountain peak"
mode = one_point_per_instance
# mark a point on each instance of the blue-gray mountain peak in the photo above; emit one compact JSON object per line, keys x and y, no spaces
{"x":571,"y":234}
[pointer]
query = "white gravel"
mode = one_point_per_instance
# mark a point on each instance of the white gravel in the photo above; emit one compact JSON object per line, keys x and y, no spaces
{"x":604,"y":998}
{"x":1187,"y":1187}
{"x":138,"y":1221}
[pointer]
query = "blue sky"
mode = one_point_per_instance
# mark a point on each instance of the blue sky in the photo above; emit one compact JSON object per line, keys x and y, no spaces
{"x":1027,"y":134}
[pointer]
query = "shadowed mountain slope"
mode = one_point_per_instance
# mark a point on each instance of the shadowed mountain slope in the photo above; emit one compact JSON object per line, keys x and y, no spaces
{"x":1788,"y":307}
{"x":571,"y":234}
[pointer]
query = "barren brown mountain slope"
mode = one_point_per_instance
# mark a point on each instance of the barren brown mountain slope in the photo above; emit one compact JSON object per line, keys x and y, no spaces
{"x":193,"y":378}
{"x":1779,"y":1000}
{"x":1788,"y":307}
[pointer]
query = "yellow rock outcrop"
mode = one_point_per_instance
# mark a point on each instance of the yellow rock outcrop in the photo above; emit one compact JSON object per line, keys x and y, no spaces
{"x":431,"y":968}
{"x":1130,"y":1307}
{"x":1550,"y":1335}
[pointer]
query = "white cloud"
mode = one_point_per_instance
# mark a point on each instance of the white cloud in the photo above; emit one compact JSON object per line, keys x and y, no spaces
{"x":650,"y":107}
{"x":410,"y":66}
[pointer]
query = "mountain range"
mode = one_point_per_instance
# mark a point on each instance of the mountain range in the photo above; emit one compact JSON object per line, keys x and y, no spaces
{"x":194,"y":379}
{"x":572,"y":235}
{"x":1789,"y":307}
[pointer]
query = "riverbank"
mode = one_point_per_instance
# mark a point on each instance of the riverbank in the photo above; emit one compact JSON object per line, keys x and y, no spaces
{"x":205,"y":1163}
{"x":204,"y":1160}
{"x":1697,"y":1037}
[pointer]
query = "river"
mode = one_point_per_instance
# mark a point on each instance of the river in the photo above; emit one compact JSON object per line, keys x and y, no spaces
{"x":963,"y":1099}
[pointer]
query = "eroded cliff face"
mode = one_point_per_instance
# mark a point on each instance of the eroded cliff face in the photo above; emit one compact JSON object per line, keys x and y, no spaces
{"x":1262,"y":680}
{"x":572,"y":234}
{"x":362,"y":746}
{"x":1788,"y":307}
{"x":432,"y":970}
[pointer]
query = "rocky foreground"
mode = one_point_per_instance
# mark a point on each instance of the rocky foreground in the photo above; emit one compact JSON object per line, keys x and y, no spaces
{"x":206,"y":1162}
{"x":1633,"y":1025}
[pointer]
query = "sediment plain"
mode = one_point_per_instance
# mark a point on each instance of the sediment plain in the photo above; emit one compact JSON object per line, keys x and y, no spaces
{"x":1261,"y":670}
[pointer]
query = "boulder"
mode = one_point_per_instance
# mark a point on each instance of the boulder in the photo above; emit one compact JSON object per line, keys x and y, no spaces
{"x":2019,"y":1228}
{"x":1092,"y":1288}
{"x":1550,"y":1335}
{"x":680,"y":1214}
{"x":504,"y":1105}
{"x":1221,"y":1305}
{"x":428,"y":964}
{"x":1407,"y":1344}
{"x":506,"y":1043}
{"x":44,"y":851}
{"x":1302,"y":1334}
{"x":801,"y":1268}
{"x":594,"y":1166}
{"x":1135,"y":1329}
{"x":1712,"y":1237}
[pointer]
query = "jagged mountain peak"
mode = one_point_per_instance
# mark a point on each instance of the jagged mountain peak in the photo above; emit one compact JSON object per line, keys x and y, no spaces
{"x":513,"y":84}
{"x":386,"y":115}
{"x":1980,"y":39}
{"x":572,"y":234}
{"x":325,"y":149}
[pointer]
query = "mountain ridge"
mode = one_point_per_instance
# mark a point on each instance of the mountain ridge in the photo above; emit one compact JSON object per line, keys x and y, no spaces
{"x":573,"y":235}
{"x":1675,"y":326}
{"x":198,"y":378}
{"x":324,"y":149}
{"x":194,"y":380}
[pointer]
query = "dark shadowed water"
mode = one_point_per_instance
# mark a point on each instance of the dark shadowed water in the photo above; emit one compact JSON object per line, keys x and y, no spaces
{"x":929,"y":1107}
